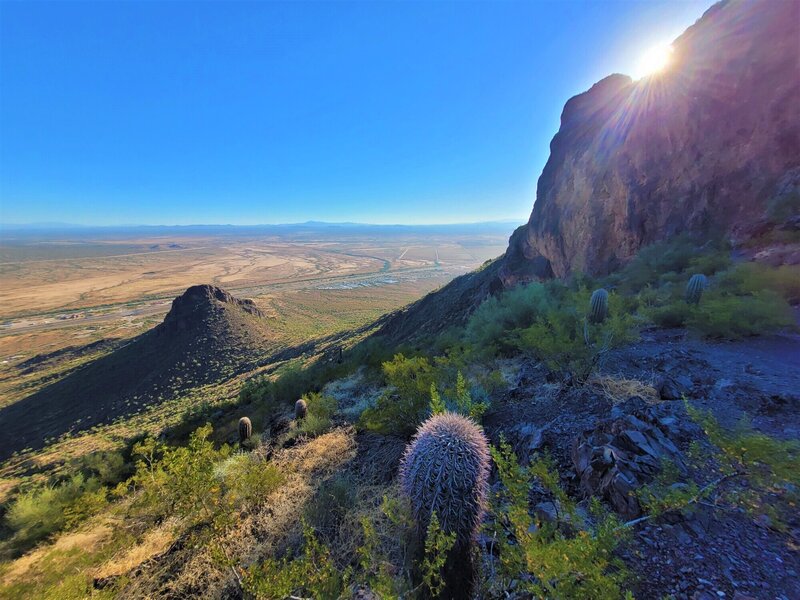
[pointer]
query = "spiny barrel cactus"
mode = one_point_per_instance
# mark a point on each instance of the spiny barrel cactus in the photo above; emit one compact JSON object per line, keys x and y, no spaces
{"x":598,"y":306}
{"x":445,"y":469}
{"x":300,"y":409}
{"x":245,"y":429}
{"x":695,"y":287}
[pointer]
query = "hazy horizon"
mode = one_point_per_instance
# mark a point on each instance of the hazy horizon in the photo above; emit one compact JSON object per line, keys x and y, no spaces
{"x":59,"y":224}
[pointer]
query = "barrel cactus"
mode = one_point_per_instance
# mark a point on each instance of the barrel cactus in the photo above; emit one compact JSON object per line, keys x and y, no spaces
{"x":245,"y":429}
{"x":445,"y":469}
{"x":598,"y":306}
{"x":300,"y":409}
{"x":695,"y":287}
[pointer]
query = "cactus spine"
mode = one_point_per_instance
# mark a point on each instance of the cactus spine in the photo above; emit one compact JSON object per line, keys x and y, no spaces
{"x":300,"y":409}
{"x":695,"y":287}
{"x":445,"y":469}
{"x":245,"y":429}
{"x":598,"y":306}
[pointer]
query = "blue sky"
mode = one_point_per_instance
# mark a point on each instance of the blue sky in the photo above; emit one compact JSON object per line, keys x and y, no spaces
{"x":244,"y":113}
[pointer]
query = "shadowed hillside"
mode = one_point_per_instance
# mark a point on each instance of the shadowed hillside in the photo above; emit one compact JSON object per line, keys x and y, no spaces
{"x":207,"y":335}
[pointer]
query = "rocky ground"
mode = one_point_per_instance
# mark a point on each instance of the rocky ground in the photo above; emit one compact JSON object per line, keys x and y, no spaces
{"x":609,"y":440}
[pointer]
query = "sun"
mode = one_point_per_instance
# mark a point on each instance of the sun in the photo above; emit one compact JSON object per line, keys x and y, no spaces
{"x":654,"y":60}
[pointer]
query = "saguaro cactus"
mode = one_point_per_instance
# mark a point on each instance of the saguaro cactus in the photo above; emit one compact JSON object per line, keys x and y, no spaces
{"x":598,"y":306}
{"x":300,"y":409}
{"x":695,"y":287}
{"x":245,"y":429}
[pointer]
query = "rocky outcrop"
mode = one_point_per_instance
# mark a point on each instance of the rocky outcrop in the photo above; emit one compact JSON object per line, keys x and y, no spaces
{"x":617,"y":457}
{"x":201,"y":302}
{"x":701,"y":148}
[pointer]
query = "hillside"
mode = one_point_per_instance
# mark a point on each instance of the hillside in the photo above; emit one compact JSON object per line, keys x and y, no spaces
{"x":207,"y":335}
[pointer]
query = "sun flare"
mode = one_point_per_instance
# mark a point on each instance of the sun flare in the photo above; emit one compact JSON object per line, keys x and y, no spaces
{"x":654,"y":60}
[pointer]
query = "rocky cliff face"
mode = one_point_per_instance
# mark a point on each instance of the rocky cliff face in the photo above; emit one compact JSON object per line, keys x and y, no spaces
{"x":699,"y":148}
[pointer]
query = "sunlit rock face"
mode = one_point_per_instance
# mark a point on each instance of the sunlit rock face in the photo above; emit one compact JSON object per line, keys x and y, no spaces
{"x":700,"y":147}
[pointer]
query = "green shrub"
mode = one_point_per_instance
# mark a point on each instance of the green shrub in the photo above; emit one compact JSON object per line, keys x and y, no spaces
{"x":768,"y":462}
{"x":437,"y":404}
{"x":488,"y":327}
{"x":438,"y":545}
{"x":247,"y":479}
{"x":405,"y":404}
{"x":108,"y":467}
{"x":563,"y":338}
{"x":750,"y":277}
{"x":674,"y":314}
{"x":178,"y":480}
{"x":733,"y":317}
{"x":752,"y":471}
{"x":459,"y":400}
{"x":375,"y":570}
{"x":38,"y":513}
{"x":311,"y":575}
{"x":328,"y":508}
{"x":319,"y":411}
{"x":544,"y":559}
{"x":665,"y":262}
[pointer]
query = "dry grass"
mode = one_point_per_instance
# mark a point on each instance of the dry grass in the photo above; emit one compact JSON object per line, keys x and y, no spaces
{"x":271,"y":528}
{"x":154,"y":543}
{"x":88,"y":538}
{"x":620,"y":389}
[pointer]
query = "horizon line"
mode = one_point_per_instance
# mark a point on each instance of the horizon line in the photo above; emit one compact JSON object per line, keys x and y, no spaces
{"x":58,"y":225}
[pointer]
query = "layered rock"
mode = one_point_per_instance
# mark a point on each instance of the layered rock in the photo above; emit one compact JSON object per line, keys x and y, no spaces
{"x":699,"y":148}
{"x":617,"y":457}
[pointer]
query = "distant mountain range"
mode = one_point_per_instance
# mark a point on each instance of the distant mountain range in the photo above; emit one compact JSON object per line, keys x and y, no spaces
{"x":60,"y":229}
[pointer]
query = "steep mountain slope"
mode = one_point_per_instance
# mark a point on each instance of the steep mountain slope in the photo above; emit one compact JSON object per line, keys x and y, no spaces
{"x":703,"y":148}
{"x":699,"y":148}
{"x":207,"y":334}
